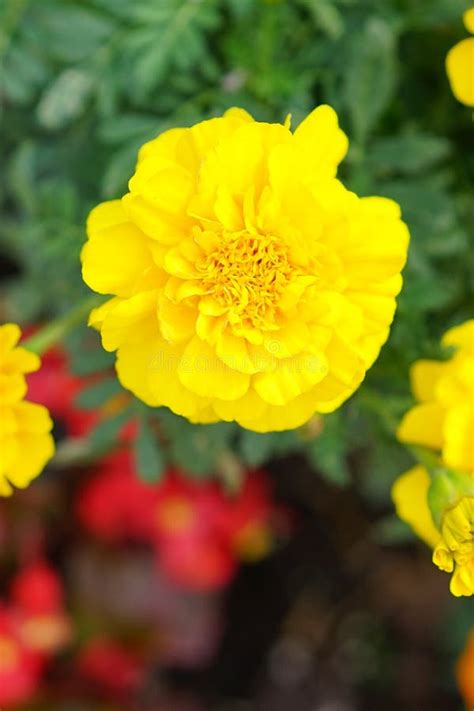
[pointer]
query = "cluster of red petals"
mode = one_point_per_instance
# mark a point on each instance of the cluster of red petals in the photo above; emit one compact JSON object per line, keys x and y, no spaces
{"x":33,"y":627}
{"x":198,"y":531}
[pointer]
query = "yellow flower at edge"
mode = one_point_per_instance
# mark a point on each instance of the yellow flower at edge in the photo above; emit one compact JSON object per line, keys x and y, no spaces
{"x":248,"y":283}
{"x":444,"y":418}
{"x":444,"y":422}
{"x":453,"y":542}
{"x":460,"y":64}
{"x":26,"y":443}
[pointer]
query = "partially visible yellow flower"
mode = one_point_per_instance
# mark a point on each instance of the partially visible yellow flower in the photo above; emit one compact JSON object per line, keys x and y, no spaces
{"x":444,"y":418}
{"x":441,"y":511}
{"x":248,"y":284}
{"x":455,"y":551}
{"x":26,"y":443}
{"x":410,"y":496}
{"x":453,"y":541}
{"x":460,"y":64}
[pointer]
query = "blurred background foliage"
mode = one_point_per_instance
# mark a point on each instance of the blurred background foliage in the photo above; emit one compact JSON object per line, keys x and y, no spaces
{"x":85,"y":82}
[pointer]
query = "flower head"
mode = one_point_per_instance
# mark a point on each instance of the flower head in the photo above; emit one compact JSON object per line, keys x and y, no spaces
{"x":441,"y":509}
{"x":443,"y":419}
{"x":33,"y":626}
{"x":20,"y":667}
{"x":460,"y":64}
{"x":248,"y":284}
{"x":452,"y":540}
{"x":26,"y":442}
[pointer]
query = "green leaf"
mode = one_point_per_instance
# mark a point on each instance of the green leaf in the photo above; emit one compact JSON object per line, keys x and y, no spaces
{"x":21,"y":175}
{"x":148,"y":456}
{"x":65,"y":99}
{"x":255,"y":448}
{"x":371,"y":75}
{"x":411,"y":153}
{"x":67,"y":32}
{"x":392,"y":531}
{"x":130,"y":126}
{"x":97,"y":394}
{"x":326,"y":16}
{"x":327,"y":451}
{"x":119,"y":170}
{"x":106,"y":433}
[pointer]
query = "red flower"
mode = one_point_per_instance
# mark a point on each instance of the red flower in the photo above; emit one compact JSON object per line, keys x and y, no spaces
{"x":199,"y":563}
{"x":197,"y":530}
{"x":37,"y":589}
{"x":20,"y":667}
{"x":110,"y":665}
{"x":37,"y":595}
{"x":115,"y":505}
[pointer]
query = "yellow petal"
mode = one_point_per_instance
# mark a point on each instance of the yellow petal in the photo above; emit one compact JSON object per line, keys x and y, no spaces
{"x":460,"y":69}
{"x":10,"y":334}
{"x":22,"y":360}
{"x":40,"y":448}
{"x":12,"y":388}
{"x":468,"y":19}
{"x":239,"y":355}
{"x":205,"y":374}
{"x":131,"y":320}
{"x":409,"y":494}
{"x":32,"y":418}
{"x":423,"y":425}
{"x":461,"y":336}
{"x":164,"y":145}
{"x":97,"y":315}
{"x":290,"y":378}
{"x":321,"y":140}
{"x":424,"y":375}
{"x":177,"y":321}
{"x":276,"y":418}
{"x":458,"y":430}
{"x":115,"y":259}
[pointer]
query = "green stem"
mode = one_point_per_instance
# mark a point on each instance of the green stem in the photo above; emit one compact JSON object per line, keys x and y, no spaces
{"x":57,"y":329}
{"x":429,"y":459}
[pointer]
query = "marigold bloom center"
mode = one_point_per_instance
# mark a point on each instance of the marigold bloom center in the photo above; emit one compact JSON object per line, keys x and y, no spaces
{"x":9,"y":654}
{"x":246,"y":274}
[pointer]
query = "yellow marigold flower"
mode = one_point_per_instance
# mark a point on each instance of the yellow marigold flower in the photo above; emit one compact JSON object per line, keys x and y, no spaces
{"x":460,"y":64}
{"x":443,"y":421}
{"x":248,"y":284}
{"x":453,"y":540}
{"x":25,"y":440}
{"x":444,"y":418}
